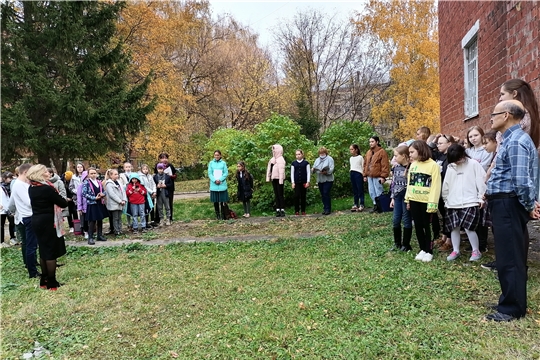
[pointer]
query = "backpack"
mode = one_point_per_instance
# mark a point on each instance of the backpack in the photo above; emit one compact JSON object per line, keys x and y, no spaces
{"x":229,"y":214}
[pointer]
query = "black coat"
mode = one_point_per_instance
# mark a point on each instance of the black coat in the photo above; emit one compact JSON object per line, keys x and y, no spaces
{"x":43,"y":198}
{"x":245,"y":187}
{"x":169,"y":189}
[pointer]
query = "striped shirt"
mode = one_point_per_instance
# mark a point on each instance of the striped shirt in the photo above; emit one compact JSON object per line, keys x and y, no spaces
{"x":516,"y":167}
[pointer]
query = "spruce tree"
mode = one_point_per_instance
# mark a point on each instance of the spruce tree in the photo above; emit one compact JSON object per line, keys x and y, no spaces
{"x":66,"y":91}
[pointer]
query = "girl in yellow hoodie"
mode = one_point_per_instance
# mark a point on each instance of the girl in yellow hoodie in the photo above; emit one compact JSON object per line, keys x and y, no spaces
{"x":422,"y":196}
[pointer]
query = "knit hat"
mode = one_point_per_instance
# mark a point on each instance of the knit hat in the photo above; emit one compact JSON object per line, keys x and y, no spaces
{"x":68,"y":175}
{"x":160,"y":166}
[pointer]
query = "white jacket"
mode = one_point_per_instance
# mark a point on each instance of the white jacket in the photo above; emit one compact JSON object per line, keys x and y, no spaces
{"x":464,"y":185}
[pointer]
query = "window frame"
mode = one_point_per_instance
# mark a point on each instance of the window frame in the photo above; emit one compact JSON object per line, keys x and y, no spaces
{"x":469,"y":42}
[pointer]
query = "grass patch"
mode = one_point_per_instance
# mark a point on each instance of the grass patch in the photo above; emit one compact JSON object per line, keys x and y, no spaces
{"x":335,"y":296}
{"x":200,"y":185}
{"x":203,"y":209}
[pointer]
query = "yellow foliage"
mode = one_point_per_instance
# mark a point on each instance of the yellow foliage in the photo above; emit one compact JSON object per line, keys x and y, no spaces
{"x":408,"y":30}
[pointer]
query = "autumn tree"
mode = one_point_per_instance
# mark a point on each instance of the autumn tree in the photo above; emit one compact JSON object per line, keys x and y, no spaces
{"x":208,"y":73}
{"x":408,"y":32}
{"x":65,"y":92}
{"x":331,"y":66}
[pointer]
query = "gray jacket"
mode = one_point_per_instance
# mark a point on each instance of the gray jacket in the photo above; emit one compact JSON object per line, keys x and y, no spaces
{"x":115,"y":195}
{"x":61,"y":188}
{"x":326,"y":164}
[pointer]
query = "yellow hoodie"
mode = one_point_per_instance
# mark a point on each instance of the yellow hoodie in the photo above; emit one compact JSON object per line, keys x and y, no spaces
{"x":424,"y":183}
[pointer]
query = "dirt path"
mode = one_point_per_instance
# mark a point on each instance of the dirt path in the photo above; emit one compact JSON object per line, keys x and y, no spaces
{"x":191,"y":195}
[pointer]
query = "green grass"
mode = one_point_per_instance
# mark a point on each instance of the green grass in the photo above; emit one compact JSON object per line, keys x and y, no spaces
{"x":203,"y":209}
{"x":335,"y":296}
{"x":200,"y":185}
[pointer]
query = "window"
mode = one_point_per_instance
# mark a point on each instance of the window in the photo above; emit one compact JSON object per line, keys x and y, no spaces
{"x":470,"y":54}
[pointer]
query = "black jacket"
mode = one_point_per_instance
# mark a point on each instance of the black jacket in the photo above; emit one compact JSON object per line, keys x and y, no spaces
{"x":245,"y":186}
{"x":169,"y":189}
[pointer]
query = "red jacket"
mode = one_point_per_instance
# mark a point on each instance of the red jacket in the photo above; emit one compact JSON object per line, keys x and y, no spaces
{"x":136,"y":197}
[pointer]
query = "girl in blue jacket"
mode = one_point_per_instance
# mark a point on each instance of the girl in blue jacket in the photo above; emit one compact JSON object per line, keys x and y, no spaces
{"x":217,"y":172}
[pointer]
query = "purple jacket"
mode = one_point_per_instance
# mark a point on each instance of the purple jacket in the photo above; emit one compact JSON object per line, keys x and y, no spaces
{"x":82,"y":203}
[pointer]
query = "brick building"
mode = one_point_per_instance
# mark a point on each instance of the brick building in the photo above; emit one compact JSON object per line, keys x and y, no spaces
{"x":481,"y":45}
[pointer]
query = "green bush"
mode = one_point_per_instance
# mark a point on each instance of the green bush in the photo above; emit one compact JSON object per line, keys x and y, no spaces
{"x":337,"y":139}
{"x":255,"y":149}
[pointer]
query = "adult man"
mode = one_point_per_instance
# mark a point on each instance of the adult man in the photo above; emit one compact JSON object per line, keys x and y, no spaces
{"x":20,"y":204}
{"x":511,"y":199}
{"x":376,"y":170}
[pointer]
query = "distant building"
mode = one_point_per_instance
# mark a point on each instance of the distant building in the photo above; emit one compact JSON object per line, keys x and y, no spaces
{"x":481,"y":45}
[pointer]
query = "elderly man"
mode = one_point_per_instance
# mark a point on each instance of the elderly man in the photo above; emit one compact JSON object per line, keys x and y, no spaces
{"x":511,"y":198}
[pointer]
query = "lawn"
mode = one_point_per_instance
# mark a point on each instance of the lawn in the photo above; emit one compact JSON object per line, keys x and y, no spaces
{"x":337,"y":295}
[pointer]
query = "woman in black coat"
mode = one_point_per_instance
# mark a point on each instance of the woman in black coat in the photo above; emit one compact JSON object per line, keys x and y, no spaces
{"x":47,"y":223}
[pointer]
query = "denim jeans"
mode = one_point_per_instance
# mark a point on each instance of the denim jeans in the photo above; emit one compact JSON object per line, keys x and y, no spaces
{"x":31,"y":247}
{"x":375,"y":188}
{"x":137,"y":210}
{"x":325,"y":188}
{"x":401,"y":214}
{"x":357,"y":182}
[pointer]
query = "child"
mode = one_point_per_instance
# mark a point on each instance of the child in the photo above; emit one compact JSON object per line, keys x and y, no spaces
{"x":490,"y":144}
{"x":116,"y":199}
{"x":300,"y":177}
{"x":476,"y":149}
{"x":463,"y":189}
{"x":92,"y":191}
{"x":422,"y":195}
{"x":7,"y":177}
{"x":136,"y":195}
{"x":123,"y":179}
{"x":356,"y":162}
{"x":148,"y":182}
{"x":164,"y":186}
{"x":275,"y":172}
{"x":82,"y":204}
{"x":398,"y":189}
{"x":423,"y":133}
{"x":245,"y":187}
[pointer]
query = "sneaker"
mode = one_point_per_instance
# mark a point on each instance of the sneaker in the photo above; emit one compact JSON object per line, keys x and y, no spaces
{"x":13,"y":242}
{"x":296,"y":213}
{"x":427,"y":257}
{"x":492,"y":265}
{"x":475,"y":256}
{"x":4,"y":245}
{"x":360,"y":208}
{"x":135,"y":231}
{"x":303,"y":213}
{"x":71,"y":230}
{"x":420,"y":255}
{"x":248,"y":215}
{"x":86,"y":235}
{"x":453,"y":256}
{"x":354,"y":208}
{"x":167,"y":222}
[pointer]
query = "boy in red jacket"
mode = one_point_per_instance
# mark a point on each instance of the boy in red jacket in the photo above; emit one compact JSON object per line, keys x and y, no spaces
{"x":136,"y":194}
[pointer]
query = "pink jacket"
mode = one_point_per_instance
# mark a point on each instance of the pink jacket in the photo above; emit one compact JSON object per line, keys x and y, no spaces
{"x":276,"y":165}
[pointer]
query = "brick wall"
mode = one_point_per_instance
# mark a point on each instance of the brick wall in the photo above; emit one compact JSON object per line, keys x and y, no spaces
{"x":508,"y":42}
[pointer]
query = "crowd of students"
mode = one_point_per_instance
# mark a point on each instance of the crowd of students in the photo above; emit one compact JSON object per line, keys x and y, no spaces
{"x":430,"y":175}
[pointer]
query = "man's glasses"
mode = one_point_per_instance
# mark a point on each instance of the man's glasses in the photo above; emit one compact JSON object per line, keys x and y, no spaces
{"x":498,"y":113}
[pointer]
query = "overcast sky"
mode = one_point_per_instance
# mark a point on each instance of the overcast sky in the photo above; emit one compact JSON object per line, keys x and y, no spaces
{"x":262,"y":16}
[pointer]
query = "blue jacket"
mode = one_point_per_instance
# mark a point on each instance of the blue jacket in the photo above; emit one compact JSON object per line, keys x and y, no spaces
{"x":213,"y":168}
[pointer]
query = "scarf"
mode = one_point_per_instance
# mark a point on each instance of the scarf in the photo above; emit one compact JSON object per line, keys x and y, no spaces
{"x":58,"y":218}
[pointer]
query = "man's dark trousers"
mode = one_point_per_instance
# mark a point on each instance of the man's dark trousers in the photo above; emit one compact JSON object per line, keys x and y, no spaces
{"x":510,"y":220}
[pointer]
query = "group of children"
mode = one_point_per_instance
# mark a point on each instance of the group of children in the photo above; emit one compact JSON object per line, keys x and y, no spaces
{"x":134,"y":194}
{"x":435,"y":173}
